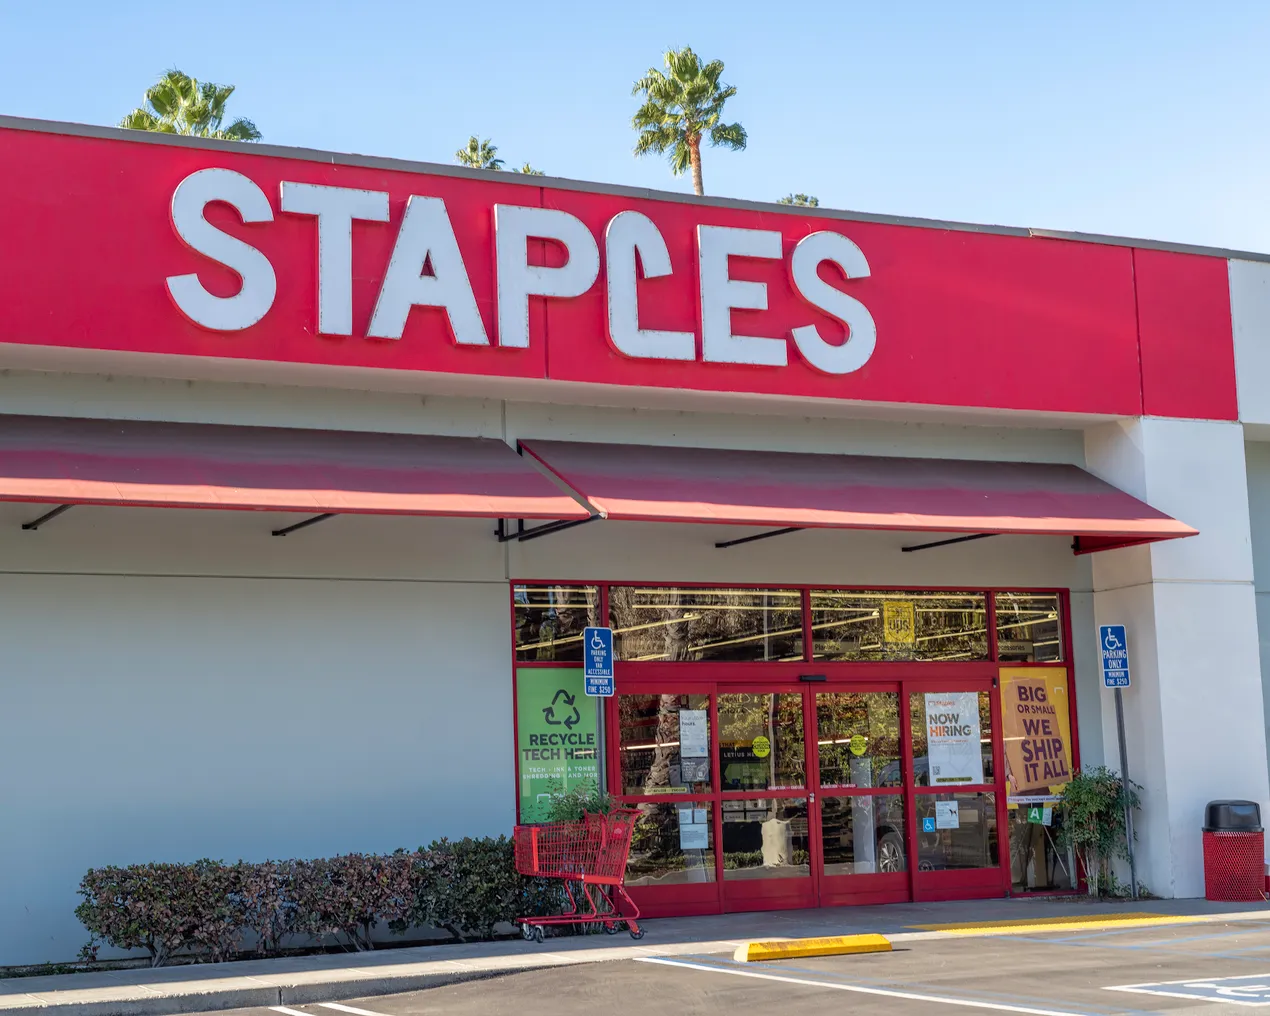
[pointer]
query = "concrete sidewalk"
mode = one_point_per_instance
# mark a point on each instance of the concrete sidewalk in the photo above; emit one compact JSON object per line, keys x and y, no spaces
{"x":300,"y":980}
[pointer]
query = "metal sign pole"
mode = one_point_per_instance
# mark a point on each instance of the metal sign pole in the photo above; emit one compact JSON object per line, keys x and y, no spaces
{"x":1128,"y":808}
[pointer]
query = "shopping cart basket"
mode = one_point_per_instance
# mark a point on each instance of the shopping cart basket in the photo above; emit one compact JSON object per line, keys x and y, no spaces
{"x":591,"y":855}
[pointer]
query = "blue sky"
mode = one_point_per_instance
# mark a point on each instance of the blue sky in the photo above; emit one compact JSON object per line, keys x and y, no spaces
{"x":1142,"y":119}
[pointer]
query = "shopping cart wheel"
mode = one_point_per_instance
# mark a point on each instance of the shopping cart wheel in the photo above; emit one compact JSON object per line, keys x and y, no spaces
{"x":613,"y":927}
{"x":527,"y":932}
{"x":637,"y":933}
{"x":539,"y":933}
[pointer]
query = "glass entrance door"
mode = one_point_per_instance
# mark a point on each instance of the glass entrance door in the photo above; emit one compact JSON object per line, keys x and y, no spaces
{"x":769,"y":796}
{"x":764,"y":801}
{"x":861,"y":818}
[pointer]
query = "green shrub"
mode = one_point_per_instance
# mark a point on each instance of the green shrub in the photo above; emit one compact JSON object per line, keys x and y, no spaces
{"x":572,"y":805}
{"x":205,"y":910}
{"x":165,"y":909}
{"x":1095,"y":825}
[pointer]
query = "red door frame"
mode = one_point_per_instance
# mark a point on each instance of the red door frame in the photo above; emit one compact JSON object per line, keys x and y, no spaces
{"x":684,"y":677}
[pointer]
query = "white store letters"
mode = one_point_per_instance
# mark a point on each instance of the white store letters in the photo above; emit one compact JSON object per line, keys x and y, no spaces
{"x":426,"y":236}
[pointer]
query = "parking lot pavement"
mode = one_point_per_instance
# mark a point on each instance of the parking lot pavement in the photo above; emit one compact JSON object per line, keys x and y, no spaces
{"x":1207,"y":968}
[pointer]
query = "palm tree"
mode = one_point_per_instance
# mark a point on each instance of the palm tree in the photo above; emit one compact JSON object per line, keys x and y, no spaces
{"x":529,"y":170}
{"x":479,"y":154}
{"x":180,"y":104}
{"x":681,"y":106}
{"x":804,"y":200}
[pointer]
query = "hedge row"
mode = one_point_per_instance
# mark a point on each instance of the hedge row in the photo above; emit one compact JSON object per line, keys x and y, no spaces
{"x":209,"y":910}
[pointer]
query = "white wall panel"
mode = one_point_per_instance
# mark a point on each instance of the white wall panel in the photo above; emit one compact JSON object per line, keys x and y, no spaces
{"x":1195,"y":717}
{"x":1250,"y":321}
{"x":171,"y":719}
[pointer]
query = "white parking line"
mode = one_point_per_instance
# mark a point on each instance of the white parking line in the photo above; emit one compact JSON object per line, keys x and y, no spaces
{"x":861,"y":989}
{"x":288,"y":1012}
{"x":348,"y":1008}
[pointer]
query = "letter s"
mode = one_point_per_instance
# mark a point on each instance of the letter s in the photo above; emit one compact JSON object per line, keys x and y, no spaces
{"x":862,"y":333}
{"x":259,"y":284}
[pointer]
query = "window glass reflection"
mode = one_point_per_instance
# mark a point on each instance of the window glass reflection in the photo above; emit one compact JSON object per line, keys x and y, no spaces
{"x":851,"y":625}
{"x":672,"y":844}
{"x":858,"y":738}
{"x":664,"y":742}
{"x":667,"y":624}
{"x":766,"y":839}
{"x":1029,"y":627}
{"x":956,"y":831}
{"x":761,"y":743}
{"x":549,"y":621}
{"x":863,"y":835}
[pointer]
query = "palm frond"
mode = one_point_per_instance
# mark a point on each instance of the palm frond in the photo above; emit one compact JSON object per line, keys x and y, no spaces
{"x":180,"y":104}
{"x":143,"y":120}
{"x":681,"y":106}
{"x":241,"y":129}
{"x":729,"y":135}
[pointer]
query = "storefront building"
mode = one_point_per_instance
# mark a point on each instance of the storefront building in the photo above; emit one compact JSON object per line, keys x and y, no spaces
{"x":854,"y":493}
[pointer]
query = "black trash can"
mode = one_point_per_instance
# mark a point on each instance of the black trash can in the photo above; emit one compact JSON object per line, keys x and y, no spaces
{"x":1234,"y":852}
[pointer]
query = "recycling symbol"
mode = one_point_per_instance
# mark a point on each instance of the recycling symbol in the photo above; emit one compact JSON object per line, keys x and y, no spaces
{"x":549,"y":712}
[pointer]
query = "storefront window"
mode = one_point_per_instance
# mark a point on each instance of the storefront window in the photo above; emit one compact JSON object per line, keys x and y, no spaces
{"x":766,"y":839}
{"x":952,"y":738}
{"x":1037,"y":862}
{"x":858,"y":737}
{"x":672,"y":844}
{"x":1029,"y":627}
{"x":549,"y":621}
{"x":664,"y":744}
{"x":848,"y":625}
{"x":956,"y":831}
{"x":761,"y":743}
{"x":863,"y":835}
{"x":664,"y":624}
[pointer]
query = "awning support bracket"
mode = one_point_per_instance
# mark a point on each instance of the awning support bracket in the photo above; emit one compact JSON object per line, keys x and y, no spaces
{"x":546,"y":529}
{"x":305,"y":524}
{"x":32,"y":526}
{"x":760,"y":536}
{"x":945,"y":543}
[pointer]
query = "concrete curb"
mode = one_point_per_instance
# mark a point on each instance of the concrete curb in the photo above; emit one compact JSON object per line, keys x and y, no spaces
{"x":167,"y":995}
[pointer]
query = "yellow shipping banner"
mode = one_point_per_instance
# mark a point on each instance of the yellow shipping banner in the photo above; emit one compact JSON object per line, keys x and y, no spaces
{"x":1036,"y":727}
{"x":899,"y":621}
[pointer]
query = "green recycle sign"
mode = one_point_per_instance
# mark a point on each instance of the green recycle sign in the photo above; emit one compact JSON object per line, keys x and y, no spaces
{"x":549,"y":712}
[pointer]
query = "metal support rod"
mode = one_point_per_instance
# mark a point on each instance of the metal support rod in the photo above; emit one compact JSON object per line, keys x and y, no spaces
{"x":306,"y":523}
{"x":30,"y":527}
{"x":554,"y":527}
{"x":945,"y":543}
{"x":1128,"y":807}
{"x":546,"y":529}
{"x":760,"y":536}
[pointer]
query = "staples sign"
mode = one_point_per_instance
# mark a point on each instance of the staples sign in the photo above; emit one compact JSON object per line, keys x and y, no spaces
{"x":329,"y":267}
{"x":427,"y":269}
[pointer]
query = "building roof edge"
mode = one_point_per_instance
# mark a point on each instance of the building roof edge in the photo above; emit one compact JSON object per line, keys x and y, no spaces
{"x":562,"y":183}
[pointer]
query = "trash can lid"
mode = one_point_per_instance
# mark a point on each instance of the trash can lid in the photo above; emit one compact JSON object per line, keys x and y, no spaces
{"x":1232,"y":817}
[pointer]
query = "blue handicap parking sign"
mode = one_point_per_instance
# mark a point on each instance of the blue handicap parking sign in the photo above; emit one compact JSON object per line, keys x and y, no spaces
{"x":597,"y":655}
{"x":1113,"y":644}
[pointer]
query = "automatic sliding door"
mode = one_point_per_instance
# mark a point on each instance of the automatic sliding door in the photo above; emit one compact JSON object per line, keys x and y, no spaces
{"x":861,"y":813}
{"x":766,"y":833}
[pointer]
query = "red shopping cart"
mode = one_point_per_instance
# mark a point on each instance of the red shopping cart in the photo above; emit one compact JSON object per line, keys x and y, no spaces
{"x":590,"y":854}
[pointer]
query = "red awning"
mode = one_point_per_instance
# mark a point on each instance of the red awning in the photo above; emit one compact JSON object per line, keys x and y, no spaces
{"x":185,"y":465}
{"x":641,"y":483}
